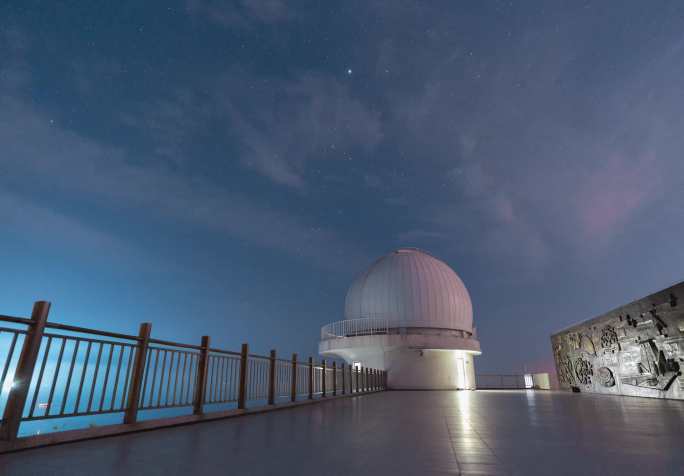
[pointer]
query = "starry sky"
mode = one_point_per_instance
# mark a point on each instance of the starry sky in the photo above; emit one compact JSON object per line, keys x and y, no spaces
{"x":228,"y":167}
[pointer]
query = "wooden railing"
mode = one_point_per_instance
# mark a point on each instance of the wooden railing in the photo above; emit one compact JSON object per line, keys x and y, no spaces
{"x":51,"y":371}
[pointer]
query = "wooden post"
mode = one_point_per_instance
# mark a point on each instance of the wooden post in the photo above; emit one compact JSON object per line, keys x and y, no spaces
{"x":365,"y":380}
{"x":311,"y":369}
{"x":358,"y":372}
{"x":344,"y":390}
{"x":242,"y":391}
{"x":16,"y":400}
{"x":351,"y":378}
{"x":293,"y":388}
{"x":271,"y":378}
{"x":371,"y":385}
{"x":334,"y":379}
{"x":137,"y":372}
{"x":201,"y":380}
{"x":323,"y":372}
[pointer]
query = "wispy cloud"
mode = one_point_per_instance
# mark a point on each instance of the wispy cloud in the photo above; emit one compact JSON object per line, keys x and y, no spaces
{"x":58,"y":162}
{"x":534,"y":168}
{"x":241,"y":13}
{"x":280,"y":126}
{"x":52,"y":229}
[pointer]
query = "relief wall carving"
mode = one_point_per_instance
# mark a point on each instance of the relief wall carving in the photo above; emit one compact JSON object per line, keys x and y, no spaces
{"x":637,"y":349}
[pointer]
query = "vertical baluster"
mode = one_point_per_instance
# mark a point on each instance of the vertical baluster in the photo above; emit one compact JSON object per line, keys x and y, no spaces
{"x":161,"y":377}
{"x":154,"y":376}
{"x":168,"y":378}
{"x":97,"y":370}
{"x":83,"y":374}
{"x":68,"y":382}
{"x":106,"y":378}
{"x":191,"y":366}
{"x":10,"y":354}
{"x":40,"y":377}
{"x":180,"y":395}
{"x":54,"y":377}
{"x":175,"y":378}
{"x":129,"y":373}
{"x":116,"y":377}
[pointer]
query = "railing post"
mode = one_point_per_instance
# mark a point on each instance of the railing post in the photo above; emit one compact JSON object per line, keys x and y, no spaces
{"x":351,"y":378}
{"x":365,"y":381}
{"x":358,"y":372}
{"x":311,"y":371}
{"x":16,"y":400}
{"x":271,"y":378}
{"x":242,"y":390}
{"x":344,"y":389}
{"x":293,"y":388}
{"x":372,"y":380}
{"x":334,"y":379}
{"x":323,"y":372}
{"x":201,"y":380}
{"x":131,"y":414}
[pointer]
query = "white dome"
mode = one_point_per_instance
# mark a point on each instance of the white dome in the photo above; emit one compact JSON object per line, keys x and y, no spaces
{"x":410,"y":288}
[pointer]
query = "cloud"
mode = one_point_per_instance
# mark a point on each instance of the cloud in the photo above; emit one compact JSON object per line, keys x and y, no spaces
{"x":50,"y":228}
{"x":539,"y":152}
{"x":14,"y":71}
{"x":62,"y":165}
{"x":283,"y":125}
{"x":241,"y":13}
{"x":274,"y":128}
{"x":614,"y":192}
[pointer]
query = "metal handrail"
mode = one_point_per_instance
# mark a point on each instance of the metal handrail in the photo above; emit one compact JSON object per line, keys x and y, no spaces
{"x":355,"y":327}
{"x":75,"y":371}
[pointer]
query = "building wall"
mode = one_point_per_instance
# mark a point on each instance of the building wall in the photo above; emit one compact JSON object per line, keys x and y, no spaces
{"x":414,"y":369}
{"x":637,"y":349}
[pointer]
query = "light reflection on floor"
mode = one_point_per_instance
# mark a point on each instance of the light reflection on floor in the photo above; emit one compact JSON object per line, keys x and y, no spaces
{"x":399,"y":433}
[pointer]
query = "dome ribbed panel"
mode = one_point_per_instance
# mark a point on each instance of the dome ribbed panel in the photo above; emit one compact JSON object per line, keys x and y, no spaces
{"x":411,"y":288}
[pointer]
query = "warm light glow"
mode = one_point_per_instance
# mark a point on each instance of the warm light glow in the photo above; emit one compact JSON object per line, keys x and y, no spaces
{"x":459,"y":363}
{"x":529,"y":381}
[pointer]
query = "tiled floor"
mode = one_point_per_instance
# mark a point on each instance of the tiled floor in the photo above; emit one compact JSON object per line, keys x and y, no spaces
{"x":398,"y":433}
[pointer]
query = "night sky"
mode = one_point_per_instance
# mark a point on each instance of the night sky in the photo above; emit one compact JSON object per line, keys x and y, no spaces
{"x":228,"y":167}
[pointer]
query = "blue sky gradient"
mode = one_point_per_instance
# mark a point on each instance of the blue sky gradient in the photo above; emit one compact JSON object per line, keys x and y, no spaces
{"x":228,"y":167}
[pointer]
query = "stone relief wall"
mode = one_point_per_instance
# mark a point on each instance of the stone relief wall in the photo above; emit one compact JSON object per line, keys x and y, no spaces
{"x":637,"y":349}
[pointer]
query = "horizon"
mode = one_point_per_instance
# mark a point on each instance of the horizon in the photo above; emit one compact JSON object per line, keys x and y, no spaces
{"x":229,"y":168}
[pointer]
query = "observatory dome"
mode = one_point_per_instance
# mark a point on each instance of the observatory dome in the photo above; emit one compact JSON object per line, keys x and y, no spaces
{"x":411,"y":288}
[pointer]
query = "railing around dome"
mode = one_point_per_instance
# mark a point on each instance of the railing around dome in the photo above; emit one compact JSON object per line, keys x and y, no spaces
{"x":367,"y":326}
{"x":355,"y":327}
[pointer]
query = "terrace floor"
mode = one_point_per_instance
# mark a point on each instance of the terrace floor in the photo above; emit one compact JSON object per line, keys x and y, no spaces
{"x":397,"y":433}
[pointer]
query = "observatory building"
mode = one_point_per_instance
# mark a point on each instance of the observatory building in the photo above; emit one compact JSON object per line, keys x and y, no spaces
{"x":411,"y":315}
